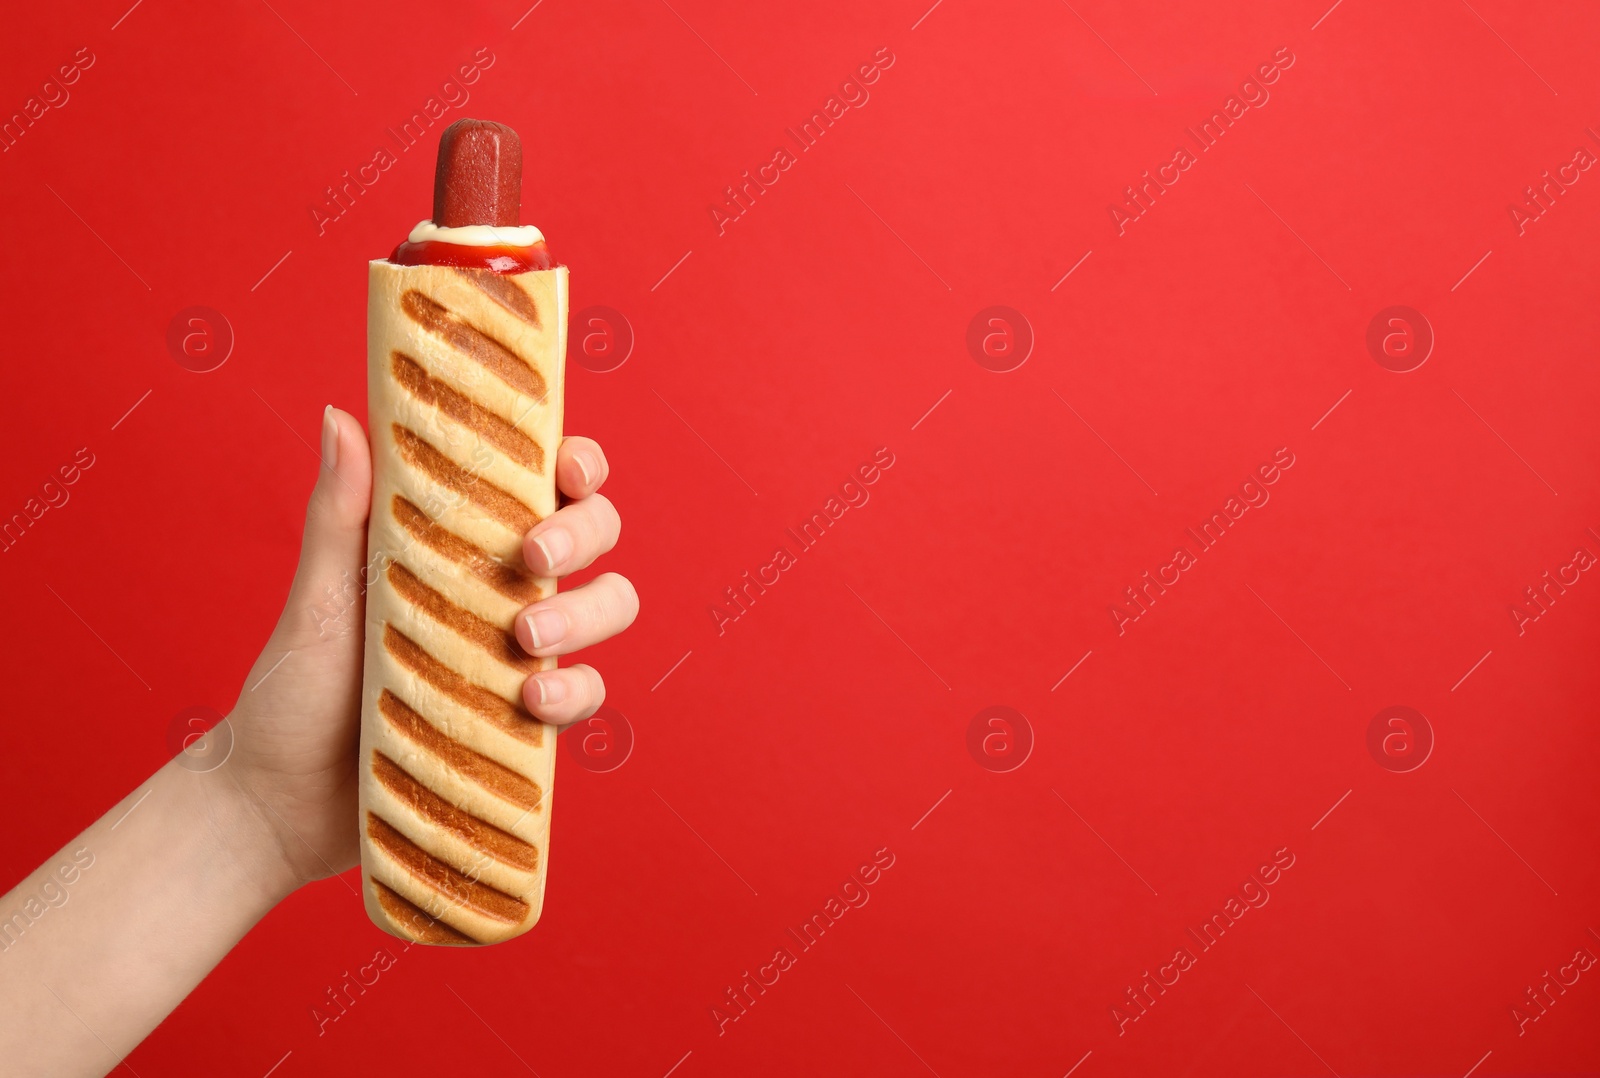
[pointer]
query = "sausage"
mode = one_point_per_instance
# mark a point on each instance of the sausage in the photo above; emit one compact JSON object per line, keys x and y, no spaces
{"x":479,"y":176}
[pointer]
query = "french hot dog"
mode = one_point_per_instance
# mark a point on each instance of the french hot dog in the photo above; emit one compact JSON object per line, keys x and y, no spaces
{"x":466,"y":340}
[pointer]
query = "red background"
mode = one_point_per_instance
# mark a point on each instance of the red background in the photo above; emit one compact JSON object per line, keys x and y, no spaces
{"x":828,"y":719}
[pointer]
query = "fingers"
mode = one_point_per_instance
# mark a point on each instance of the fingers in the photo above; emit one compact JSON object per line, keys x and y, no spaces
{"x":572,"y":537}
{"x":581,"y":467}
{"x":578,"y":618}
{"x":565,"y":695}
{"x":568,"y":540}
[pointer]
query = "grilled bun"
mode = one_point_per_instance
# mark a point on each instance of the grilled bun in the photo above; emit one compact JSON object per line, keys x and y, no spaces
{"x":465,"y":379}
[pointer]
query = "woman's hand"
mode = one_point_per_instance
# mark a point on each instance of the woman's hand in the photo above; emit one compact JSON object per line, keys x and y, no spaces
{"x":296,"y":726}
{"x":220,"y":834}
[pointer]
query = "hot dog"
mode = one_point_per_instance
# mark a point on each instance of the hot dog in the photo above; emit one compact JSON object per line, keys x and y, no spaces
{"x":466,"y":340}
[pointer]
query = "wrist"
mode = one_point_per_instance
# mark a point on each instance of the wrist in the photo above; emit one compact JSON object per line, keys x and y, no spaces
{"x":241,"y":830}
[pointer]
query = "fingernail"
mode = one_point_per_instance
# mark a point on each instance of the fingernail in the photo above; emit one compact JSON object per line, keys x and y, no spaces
{"x":546,"y":627}
{"x":582,"y":460}
{"x":552,"y":690}
{"x":556,"y":546}
{"x":330,"y":438}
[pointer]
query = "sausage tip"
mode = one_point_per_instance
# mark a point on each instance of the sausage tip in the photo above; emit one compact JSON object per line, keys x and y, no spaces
{"x":478,"y":180}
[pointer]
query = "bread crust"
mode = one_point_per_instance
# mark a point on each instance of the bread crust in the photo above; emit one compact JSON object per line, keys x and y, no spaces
{"x":465,"y":382}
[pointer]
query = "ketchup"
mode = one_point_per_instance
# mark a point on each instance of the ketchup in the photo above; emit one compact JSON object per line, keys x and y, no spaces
{"x":498,"y":259}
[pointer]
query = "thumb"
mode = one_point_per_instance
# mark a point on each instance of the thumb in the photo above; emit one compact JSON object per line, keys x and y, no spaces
{"x":324,"y":607}
{"x":334,"y":544}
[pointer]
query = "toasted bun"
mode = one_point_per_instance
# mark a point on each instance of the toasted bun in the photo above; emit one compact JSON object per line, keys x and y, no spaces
{"x":465,"y":373}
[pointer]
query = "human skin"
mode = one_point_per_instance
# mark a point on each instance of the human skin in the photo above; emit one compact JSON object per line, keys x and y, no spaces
{"x":126,"y":919}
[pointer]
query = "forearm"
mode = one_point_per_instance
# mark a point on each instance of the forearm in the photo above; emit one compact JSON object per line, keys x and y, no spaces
{"x":105,"y":938}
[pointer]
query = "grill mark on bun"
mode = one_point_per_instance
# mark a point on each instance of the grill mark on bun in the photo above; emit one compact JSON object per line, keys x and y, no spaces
{"x":481,"y":835}
{"x":470,"y":894}
{"x":491,"y":775}
{"x":473,"y":342}
{"x":506,"y":292}
{"x":510,"y":582}
{"x":502,"y":715}
{"x":497,"y":642}
{"x":511,"y":441}
{"x":447,"y":473}
{"x":423,"y":926}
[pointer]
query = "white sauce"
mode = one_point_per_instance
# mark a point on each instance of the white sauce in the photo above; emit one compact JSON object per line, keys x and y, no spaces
{"x":477,"y":235}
